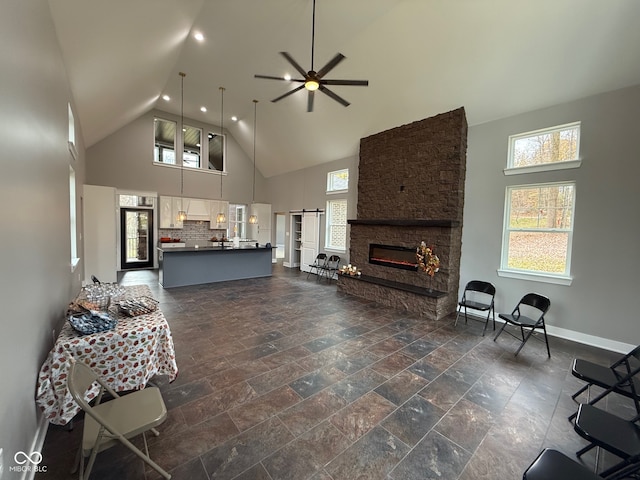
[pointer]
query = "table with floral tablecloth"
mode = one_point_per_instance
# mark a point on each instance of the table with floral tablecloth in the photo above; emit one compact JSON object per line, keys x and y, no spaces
{"x":126,"y":357}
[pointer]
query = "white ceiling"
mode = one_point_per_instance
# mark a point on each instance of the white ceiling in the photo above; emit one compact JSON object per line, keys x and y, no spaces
{"x":496,"y":58}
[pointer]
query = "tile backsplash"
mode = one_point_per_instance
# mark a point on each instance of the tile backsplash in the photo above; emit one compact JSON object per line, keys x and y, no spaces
{"x":193,"y":231}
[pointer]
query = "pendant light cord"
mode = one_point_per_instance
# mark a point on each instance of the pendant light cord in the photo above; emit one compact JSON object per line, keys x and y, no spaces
{"x":255,"y":117}
{"x":221,"y":137}
{"x":182,"y":75}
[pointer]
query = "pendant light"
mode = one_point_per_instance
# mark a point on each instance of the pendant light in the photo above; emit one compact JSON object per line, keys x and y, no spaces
{"x":182,"y":214}
{"x":222,"y":216}
{"x":253,"y":219}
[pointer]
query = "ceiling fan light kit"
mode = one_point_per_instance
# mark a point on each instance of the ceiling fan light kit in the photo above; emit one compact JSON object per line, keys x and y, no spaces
{"x":312,"y":80}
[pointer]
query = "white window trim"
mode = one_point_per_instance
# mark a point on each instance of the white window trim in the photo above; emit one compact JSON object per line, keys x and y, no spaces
{"x":545,"y":277}
{"x":536,"y":277}
{"x":547,"y":167}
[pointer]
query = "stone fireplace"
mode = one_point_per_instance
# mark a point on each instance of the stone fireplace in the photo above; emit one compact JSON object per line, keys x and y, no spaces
{"x":410,"y":189}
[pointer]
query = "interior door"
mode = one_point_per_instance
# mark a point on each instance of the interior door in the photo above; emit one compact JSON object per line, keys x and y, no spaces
{"x":136,"y":238}
{"x":310,"y":239}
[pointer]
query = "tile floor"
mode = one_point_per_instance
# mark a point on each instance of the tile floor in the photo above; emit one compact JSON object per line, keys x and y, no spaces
{"x":286,"y":378}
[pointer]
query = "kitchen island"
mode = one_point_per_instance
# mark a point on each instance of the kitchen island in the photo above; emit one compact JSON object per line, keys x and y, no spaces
{"x":194,"y":265}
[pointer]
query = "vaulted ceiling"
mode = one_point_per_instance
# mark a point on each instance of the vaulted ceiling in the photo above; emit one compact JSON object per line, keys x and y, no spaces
{"x":421,"y":57}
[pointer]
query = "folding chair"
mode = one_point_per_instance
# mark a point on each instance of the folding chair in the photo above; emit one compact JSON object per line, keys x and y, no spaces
{"x":536,"y":306}
{"x":621,"y":377}
{"x":115,"y":420}
{"x":614,"y":434}
{"x":330,"y":267}
{"x":318,"y":263}
{"x":553,"y":465}
{"x":478,"y":295}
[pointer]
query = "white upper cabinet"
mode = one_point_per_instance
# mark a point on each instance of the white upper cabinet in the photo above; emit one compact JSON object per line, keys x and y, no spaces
{"x":169,"y":208}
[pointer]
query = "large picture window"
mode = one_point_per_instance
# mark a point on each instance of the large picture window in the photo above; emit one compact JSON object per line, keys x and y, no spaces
{"x":336,"y":225}
{"x":538,"y":229}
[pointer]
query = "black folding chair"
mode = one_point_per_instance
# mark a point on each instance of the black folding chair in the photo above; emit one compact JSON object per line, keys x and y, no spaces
{"x":621,"y":377}
{"x":478,"y":295}
{"x":614,"y":434}
{"x":330,"y":267}
{"x":536,"y":306}
{"x":318,"y":263}
{"x":553,"y":465}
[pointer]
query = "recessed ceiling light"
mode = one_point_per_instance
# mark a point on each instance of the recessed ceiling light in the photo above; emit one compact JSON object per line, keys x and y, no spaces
{"x":234,"y":118}
{"x":198,"y":36}
{"x":166,"y":98}
{"x":203,"y":109}
{"x":287,"y":77}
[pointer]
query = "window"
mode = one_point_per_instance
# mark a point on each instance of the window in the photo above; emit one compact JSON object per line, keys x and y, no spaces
{"x":72,"y":217}
{"x":538,"y":229}
{"x":338,"y":181}
{"x":192,"y":147}
{"x":237,"y":221}
{"x":72,"y":132}
{"x":336,"y":225}
{"x":165,"y":141}
{"x":547,"y":149}
{"x":216,"y":152}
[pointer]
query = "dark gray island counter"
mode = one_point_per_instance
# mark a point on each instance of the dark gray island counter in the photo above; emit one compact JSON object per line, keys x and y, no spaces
{"x":206,"y":264}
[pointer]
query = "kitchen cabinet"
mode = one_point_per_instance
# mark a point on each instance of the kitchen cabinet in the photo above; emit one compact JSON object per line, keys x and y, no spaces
{"x":169,"y":208}
{"x":218,"y":206}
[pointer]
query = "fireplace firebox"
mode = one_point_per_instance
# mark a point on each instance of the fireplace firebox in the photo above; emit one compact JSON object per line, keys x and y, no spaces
{"x":393,"y":256}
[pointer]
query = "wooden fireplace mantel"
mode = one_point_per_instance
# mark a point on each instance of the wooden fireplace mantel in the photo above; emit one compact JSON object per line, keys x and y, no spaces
{"x":406,"y":222}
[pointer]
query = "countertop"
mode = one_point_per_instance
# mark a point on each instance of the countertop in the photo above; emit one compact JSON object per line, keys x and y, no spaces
{"x":207,"y":247}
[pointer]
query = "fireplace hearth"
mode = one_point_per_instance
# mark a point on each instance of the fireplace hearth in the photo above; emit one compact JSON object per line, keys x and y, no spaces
{"x":393,"y":256}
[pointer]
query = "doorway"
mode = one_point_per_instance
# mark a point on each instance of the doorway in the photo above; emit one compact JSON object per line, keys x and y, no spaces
{"x":136,"y":238}
{"x":280,"y":235}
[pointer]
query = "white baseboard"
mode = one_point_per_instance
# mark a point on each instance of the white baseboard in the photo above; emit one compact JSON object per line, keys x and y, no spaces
{"x":36,"y":446}
{"x":579,"y":337}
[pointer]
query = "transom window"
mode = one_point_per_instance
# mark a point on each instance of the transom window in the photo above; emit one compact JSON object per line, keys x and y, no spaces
{"x":546,"y":149}
{"x":338,"y":181}
{"x":538,"y":229}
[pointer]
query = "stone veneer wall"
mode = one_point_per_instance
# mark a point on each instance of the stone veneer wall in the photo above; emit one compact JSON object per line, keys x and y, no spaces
{"x":410,"y":189}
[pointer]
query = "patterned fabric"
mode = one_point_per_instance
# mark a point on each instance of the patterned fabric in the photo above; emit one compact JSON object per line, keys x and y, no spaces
{"x":125,"y":357}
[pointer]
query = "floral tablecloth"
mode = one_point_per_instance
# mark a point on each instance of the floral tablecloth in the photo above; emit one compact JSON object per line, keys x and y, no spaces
{"x":126,"y":358}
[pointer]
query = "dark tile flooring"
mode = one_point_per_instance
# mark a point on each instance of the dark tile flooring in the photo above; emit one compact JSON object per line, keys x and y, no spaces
{"x":287,"y":378}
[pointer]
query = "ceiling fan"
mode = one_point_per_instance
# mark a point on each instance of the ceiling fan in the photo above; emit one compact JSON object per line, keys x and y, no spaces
{"x":313,"y":80}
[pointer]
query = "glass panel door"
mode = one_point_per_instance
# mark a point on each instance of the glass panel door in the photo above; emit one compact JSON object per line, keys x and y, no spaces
{"x":136,"y":245}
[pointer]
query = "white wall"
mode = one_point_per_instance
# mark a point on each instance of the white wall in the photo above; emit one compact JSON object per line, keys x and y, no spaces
{"x":598,"y":307}
{"x":307,"y":189}
{"x":124,"y":160}
{"x":37,"y":283}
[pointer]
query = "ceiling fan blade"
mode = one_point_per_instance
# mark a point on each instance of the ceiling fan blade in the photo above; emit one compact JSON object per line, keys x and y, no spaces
{"x":362,"y":83}
{"x":270,"y":77}
{"x":294,"y":63}
{"x":288,"y":93}
{"x":329,"y":66}
{"x":310,"y":101}
{"x":337,"y":98}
